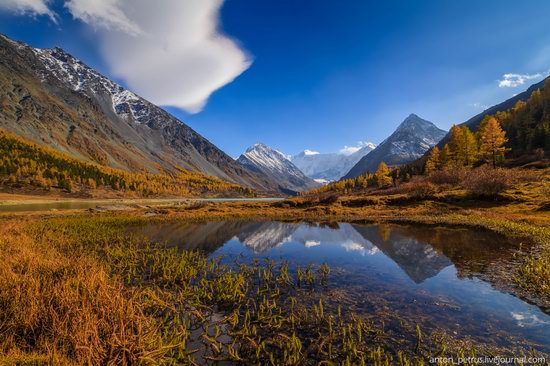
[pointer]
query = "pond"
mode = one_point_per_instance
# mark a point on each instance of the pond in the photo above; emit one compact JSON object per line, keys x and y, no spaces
{"x":439,"y":277}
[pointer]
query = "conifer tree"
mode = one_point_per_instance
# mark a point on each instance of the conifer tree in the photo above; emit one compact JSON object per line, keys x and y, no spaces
{"x":444,"y":156}
{"x":433,"y":162}
{"x":455,"y":145}
{"x":491,"y":141}
{"x":383,"y":178}
{"x":468,"y":147}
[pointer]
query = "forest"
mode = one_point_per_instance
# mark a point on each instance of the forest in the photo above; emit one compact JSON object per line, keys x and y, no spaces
{"x":24,"y":164}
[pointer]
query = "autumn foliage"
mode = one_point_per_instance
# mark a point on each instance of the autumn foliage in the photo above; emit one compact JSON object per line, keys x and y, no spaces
{"x":23,"y":163}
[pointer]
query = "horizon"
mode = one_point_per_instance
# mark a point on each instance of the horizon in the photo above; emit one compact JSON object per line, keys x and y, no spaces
{"x":329,"y":77}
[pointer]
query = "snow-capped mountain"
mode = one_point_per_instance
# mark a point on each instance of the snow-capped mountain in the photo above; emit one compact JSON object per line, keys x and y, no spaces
{"x":52,"y":98}
{"x":331,"y":166}
{"x":275,"y":166}
{"x":410,"y":141}
{"x":83,"y":78}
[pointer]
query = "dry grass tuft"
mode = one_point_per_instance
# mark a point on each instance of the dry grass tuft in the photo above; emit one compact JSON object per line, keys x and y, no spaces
{"x":66,"y":308}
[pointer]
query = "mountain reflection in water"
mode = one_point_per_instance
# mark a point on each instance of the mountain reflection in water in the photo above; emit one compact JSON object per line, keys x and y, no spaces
{"x":421,"y":252}
{"x":441,"y":277}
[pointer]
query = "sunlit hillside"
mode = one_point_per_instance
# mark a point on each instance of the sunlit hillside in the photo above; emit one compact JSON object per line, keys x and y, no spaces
{"x":26,"y":165}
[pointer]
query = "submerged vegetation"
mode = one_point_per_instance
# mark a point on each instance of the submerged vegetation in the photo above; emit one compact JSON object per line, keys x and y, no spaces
{"x":77,"y":290}
{"x":23,"y":163}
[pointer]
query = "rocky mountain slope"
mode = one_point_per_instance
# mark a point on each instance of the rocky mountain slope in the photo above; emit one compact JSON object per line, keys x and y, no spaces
{"x":51,"y":98}
{"x":410,"y":141}
{"x":328,"y":166}
{"x":507,"y":105}
{"x":473,"y":123}
{"x":276,"y":167}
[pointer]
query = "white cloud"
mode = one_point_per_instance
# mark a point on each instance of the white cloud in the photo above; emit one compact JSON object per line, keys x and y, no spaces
{"x":168,"y":51}
{"x":515,"y":80}
{"x":171,"y":52}
{"x":312,"y":243}
{"x":32,"y":7}
{"x":311,"y":152}
{"x":103,"y":13}
{"x":351,"y":246}
{"x":348,"y":150}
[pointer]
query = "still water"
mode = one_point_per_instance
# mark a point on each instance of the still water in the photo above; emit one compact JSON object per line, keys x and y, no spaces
{"x":436,"y":276}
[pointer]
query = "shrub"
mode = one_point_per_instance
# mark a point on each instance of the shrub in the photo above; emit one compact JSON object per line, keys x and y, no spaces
{"x":452,"y":175}
{"x":328,"y":199}
{"x":419,"y":188}
{"x":488,"y":182}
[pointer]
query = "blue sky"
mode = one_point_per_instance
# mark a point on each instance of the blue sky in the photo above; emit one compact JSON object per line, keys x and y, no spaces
{"x":307,"y":74}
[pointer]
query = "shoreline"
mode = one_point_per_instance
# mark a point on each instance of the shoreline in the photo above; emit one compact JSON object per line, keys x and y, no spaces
{"x":534,"y":228}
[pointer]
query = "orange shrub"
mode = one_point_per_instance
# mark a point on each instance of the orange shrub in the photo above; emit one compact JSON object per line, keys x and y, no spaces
{"x":452,"y":175}
{"x":488,"y":182}
{"x":419,"y":188}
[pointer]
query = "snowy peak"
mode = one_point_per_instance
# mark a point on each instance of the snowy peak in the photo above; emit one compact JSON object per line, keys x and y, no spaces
{"x":81,"y":78}
{"x":418,"y":126}
{"x":265,"y":156}
{"x":332,"y":166}
{"x":415,"y":135}
{"x":276,"y":166}
{"x":412,"y":138}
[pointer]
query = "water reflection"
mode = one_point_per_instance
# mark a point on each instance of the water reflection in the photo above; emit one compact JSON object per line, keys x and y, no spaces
{"x":418,"y":260}
{"x":420,"y":252}
{"x":432,"y":275}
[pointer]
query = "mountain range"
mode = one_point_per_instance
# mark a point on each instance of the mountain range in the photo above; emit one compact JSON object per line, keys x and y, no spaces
{"x":410,"y":141}
{"x":51,"y":98}
{"x":275,"y":167}
{"x":329,"y":166}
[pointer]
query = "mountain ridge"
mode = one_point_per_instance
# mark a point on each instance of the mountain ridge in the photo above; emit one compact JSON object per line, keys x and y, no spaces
{"x":275,"y":166}
{"x":410,"y":140}
{"x":52,"y":98}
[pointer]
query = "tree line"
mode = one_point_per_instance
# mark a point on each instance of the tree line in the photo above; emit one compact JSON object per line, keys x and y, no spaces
{"x":25,"y":163}
{"x":466,"y":148}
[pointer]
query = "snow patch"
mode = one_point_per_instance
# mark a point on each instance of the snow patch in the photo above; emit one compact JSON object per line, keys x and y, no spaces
{"x":84,"y":79}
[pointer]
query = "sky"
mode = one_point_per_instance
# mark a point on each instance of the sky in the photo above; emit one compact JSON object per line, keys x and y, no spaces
{"x":322,"y":75}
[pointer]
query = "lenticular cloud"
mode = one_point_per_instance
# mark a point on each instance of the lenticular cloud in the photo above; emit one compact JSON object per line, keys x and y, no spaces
{"x":169,"y":51}
{"x":33,"y":7}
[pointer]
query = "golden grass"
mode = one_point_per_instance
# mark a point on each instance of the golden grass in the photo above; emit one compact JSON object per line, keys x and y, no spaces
{"x":66,"y":308}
